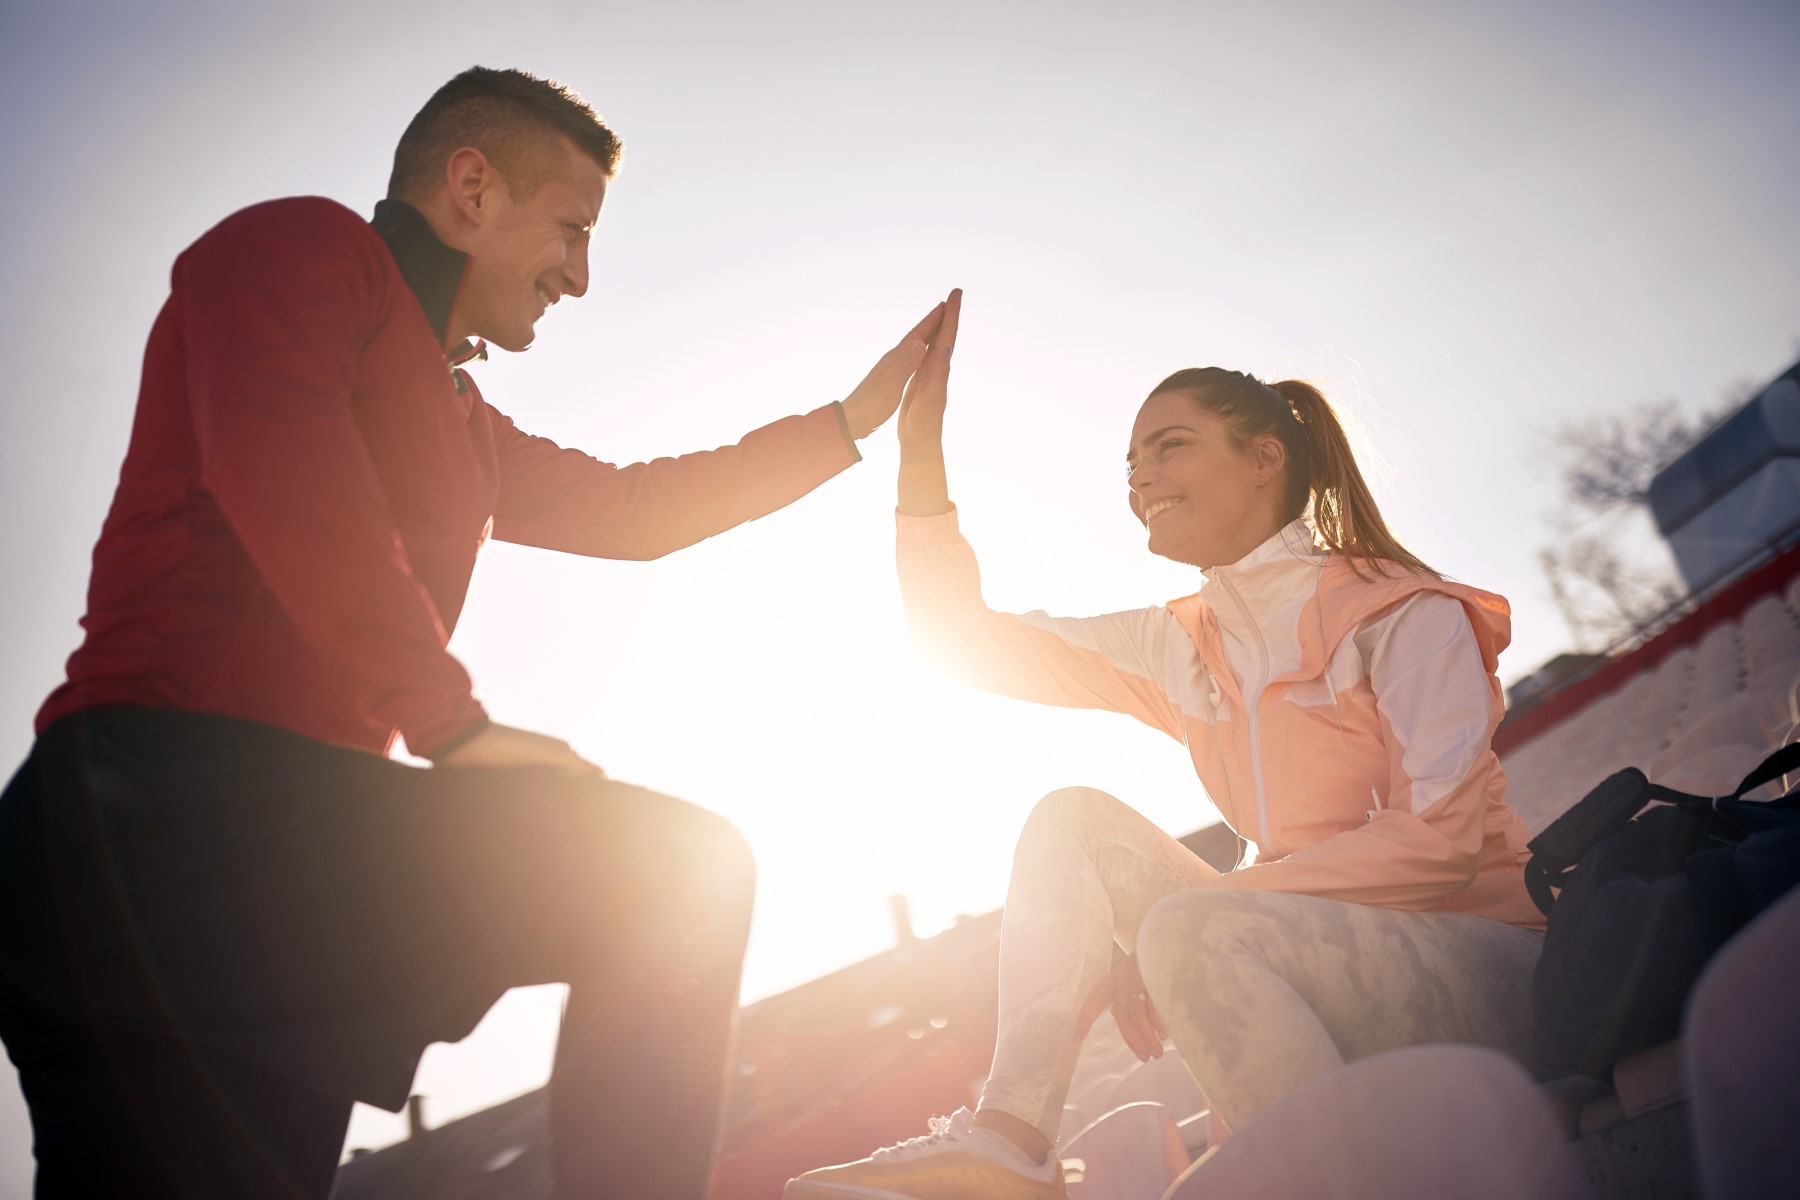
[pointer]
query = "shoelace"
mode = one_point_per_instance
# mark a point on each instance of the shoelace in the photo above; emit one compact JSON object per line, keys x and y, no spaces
{"x":942,"y":1129}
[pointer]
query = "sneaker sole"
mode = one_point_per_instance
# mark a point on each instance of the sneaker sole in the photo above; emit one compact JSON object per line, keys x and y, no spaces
{"x":839,"y":1191}
{"x":801,"y":1189}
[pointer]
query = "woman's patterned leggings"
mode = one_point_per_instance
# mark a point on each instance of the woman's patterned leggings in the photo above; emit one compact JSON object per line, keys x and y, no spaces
{"x":1261,"y":991}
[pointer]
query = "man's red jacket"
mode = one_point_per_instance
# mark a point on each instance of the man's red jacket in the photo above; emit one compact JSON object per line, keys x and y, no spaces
{"x":309,"y":481}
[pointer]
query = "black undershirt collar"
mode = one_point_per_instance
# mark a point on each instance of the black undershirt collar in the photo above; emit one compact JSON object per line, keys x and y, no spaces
{"x":433,"y":270}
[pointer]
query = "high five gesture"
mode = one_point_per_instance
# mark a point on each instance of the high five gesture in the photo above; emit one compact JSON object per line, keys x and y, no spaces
{"x":924,"y":491}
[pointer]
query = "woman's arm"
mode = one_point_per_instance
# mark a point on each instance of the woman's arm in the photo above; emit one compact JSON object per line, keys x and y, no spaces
{"x":924,"y":488}
{"x":1112,"y":662}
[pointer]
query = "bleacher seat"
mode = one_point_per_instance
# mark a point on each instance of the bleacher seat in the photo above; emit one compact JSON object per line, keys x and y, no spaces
{"x":1718,"y":667}
{"x":1420,"y":1123}
{"x":1658,"y":717}
{"x":1743,"y":1061}
{"x":1163,"y":1081}
{"x":1771,"y":643}
{"x":1132,"y":1153}
{"x":1713,"y":754}
{"x":1697,"y":720}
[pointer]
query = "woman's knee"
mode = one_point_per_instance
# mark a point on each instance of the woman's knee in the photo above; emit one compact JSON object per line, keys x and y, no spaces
{"x":1071,"y":812}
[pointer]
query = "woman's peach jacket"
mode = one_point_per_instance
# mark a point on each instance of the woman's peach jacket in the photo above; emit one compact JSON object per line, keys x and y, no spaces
{"x":1341,"y":723}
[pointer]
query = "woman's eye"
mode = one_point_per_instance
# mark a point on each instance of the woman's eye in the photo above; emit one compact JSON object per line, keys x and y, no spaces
{"x":1168,"y":444}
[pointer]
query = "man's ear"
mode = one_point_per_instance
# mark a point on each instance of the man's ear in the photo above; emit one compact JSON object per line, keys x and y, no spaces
{"x":473,"y":184}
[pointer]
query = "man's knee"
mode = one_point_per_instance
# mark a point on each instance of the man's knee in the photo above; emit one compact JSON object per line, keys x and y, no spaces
{"x":723,"y":854}
{"x":669,"y":838}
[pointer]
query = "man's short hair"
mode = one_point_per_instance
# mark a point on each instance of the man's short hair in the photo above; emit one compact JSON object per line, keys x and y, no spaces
{"x":512,"y":117}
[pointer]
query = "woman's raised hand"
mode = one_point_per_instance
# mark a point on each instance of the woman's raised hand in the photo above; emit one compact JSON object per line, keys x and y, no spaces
{"x":922,"y":408}
{"x":878,"y":395}
{"x":923,"y":489}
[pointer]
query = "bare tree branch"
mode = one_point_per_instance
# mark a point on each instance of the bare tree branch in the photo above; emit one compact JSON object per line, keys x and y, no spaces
{"x":1608,"y":462}
{"x":1607,"y":583}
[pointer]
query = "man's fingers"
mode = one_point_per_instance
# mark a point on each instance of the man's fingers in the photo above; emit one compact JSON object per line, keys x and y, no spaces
{"x":923,"y":346}
{"x":927,"y":327}
{"x":911,"y":350}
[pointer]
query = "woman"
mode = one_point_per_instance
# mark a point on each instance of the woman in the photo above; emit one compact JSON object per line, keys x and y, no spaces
{"x":1337,"y":698}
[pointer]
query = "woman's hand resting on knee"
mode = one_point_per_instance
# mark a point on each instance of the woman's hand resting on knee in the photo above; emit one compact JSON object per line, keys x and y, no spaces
{"x":1122,"y":990}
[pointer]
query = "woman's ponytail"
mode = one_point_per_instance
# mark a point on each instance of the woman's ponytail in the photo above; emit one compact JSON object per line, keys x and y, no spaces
{"x":1344,"y":514}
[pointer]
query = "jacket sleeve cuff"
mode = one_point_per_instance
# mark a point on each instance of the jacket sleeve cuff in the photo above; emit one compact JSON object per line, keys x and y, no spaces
{"x":843,"y":424}
{"x":457,"y":740}
{"x":924,"y":531}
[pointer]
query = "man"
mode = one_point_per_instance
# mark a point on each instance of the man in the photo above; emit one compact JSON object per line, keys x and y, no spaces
{"x":225,"y":914}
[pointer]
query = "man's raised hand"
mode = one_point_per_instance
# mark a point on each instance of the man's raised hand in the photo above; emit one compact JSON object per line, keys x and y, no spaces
{"x":878,"y":395}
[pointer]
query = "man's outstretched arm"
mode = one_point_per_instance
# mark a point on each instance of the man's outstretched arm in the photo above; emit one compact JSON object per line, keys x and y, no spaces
{"x":563,"y":499}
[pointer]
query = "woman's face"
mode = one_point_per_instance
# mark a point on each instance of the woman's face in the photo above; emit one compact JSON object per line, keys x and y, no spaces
{"x":1204,"y":501}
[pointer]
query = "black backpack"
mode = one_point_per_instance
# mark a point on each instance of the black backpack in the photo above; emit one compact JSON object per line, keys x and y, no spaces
{"x":1646,"y":895}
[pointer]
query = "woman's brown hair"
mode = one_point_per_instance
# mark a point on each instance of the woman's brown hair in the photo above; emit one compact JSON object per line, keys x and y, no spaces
{"x":1323,"y":481}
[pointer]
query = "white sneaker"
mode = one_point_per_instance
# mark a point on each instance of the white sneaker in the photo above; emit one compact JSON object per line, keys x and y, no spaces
{"x":955,"y":1161}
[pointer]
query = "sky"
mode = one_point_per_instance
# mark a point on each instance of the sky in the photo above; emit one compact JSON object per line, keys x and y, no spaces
{"x":1470,"y":221}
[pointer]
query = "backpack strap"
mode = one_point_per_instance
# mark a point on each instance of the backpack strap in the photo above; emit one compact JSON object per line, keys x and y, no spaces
{"x":1778,"y":763}
{"x":1784,"y":761}
{"x":1611,"y":806}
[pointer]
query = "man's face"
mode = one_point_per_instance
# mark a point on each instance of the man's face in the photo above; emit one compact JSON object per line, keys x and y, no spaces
{"x":525,"y":255}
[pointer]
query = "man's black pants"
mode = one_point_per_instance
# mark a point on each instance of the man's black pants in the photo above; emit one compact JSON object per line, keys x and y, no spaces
{"x":215,"y":935}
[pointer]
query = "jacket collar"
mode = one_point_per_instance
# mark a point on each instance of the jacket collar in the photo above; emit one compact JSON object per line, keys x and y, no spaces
{"x":1278,"y":571}
{"x":433,"y":270}
{"x":1281,"y":573}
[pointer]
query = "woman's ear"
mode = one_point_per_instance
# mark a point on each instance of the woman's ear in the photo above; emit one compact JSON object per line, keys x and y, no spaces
{"x":1269,"y":455}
